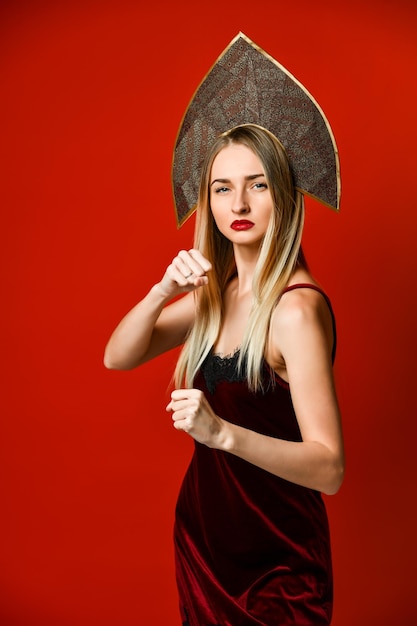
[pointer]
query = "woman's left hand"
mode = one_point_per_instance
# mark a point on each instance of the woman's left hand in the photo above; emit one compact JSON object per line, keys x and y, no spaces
{"x":192,"y":413}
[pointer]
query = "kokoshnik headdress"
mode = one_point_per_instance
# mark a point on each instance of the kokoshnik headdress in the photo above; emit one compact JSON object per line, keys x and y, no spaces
{"x":247,"y":86}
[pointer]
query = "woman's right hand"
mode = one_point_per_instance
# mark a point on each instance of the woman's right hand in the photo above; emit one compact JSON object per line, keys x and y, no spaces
{"x":187,"y":272}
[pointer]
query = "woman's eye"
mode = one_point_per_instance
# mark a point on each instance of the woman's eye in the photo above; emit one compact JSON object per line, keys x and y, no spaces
{"x":260,"y":186}
{"x":221,"y":189}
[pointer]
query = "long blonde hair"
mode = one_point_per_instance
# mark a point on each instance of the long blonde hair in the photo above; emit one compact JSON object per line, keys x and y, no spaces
{"x":280,"y":252}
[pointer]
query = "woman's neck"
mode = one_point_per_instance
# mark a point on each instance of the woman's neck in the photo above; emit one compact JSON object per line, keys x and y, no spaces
{"x":245,"y":259}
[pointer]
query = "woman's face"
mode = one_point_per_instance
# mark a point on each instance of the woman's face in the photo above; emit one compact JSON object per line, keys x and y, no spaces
{"x":240,"y":200}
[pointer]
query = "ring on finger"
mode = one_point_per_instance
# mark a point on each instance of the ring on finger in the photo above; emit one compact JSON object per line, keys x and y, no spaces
{"x":188,"y":275}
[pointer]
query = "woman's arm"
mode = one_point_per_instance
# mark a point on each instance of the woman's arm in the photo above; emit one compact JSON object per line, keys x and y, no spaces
{"x":301,"y":333}
{"x":152,"y":326}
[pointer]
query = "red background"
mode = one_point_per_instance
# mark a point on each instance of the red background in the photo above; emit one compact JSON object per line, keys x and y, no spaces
{"x":92,"y":97}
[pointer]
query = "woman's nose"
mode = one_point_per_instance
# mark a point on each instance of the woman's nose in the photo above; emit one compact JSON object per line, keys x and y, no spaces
{"x":240,"y":203}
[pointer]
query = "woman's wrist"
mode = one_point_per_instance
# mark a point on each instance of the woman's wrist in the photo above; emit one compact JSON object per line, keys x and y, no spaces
{"x":158,"y":292}
{"x":226,"y":437}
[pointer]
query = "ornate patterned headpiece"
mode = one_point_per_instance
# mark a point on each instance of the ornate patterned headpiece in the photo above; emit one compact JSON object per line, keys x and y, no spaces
{"x":245,"y":86}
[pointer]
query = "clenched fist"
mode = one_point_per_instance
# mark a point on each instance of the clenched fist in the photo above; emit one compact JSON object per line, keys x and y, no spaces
{"x":192,"y":413}
{"x":187,"y":272}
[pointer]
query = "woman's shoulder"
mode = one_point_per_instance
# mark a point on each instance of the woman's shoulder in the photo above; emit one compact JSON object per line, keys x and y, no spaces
{"x":300,"y":303}
{"x":302,"y":294}
{"x":303,"y":309}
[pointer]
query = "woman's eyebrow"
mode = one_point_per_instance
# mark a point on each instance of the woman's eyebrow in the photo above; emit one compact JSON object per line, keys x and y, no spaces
{"x":227,"y":180}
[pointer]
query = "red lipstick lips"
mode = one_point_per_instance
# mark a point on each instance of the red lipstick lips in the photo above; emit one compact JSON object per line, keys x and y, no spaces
{"x":242,"y":225}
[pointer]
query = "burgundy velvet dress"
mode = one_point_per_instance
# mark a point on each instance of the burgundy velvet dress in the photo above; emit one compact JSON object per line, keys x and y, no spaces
{"x":251,"y":548}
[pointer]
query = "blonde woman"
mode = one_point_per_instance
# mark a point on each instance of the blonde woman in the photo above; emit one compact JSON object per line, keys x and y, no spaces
{"x":254,"y":389}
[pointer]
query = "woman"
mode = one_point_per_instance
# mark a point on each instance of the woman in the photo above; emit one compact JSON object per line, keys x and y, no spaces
{"x":255,"y":390}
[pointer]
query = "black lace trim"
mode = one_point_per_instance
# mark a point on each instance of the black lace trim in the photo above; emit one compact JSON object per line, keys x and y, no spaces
{"x":216,"y":369}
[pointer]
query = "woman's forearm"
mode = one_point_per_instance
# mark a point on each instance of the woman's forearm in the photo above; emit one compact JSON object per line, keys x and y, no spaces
{"x":152,"y":327}
{"x":308,"y":463}
{"x":130,"y":341}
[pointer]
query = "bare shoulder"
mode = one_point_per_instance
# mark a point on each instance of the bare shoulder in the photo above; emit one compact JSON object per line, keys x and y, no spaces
{"x":302,"y":305}
{"x":301,"y":320}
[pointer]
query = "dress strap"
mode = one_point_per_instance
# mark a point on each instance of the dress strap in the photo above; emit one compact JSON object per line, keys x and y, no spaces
{"x":305,"y":286}
{"x":329,"y":304}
